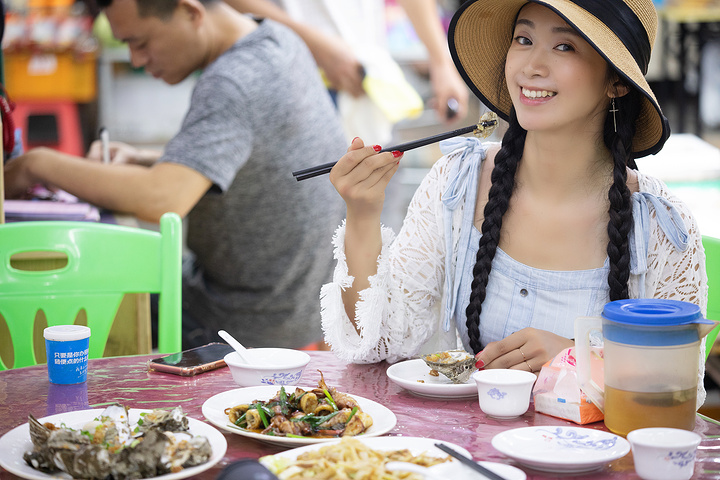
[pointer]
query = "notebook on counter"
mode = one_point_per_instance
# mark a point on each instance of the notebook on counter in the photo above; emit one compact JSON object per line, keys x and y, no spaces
{"x":50,"y":206}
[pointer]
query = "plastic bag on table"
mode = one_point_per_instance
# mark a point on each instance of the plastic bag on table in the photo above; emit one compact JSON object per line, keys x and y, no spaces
{"x":557,"y":391}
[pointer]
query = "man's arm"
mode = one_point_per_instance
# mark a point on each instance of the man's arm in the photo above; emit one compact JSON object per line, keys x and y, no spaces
{"x":342,"y":70}
{"x":445,"y":79}
{"x":145,"y":192}
{"x":123,"y":153}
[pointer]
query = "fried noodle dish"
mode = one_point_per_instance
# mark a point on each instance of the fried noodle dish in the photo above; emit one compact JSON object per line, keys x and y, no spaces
{"x":109,"y":447}
{"x":319,"y":413}
{"x":348,"y":459}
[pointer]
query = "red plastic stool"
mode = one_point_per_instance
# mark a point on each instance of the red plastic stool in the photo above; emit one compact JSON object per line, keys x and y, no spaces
{"x":54,"y":124}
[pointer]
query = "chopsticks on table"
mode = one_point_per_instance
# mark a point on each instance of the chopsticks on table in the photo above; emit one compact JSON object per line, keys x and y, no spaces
{"x":469,"y":462}
{"x":483,"y":128}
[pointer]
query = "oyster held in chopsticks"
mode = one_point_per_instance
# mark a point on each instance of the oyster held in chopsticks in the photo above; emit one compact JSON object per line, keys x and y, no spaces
{"x":457,"y":365}
{"x":109,"y":447}
{"x":487,"y":124}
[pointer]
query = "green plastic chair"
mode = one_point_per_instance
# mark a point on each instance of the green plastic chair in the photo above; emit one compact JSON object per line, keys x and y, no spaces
{"x":712,"y":265}
{"x":104,"y":262}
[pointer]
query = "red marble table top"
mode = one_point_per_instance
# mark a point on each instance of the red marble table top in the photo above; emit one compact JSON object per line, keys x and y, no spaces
{"x":126,"y":380}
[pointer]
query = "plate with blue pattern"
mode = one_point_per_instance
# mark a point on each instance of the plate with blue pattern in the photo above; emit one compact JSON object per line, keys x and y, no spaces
{"x":561,"y":449}
{"x":416,"y":377}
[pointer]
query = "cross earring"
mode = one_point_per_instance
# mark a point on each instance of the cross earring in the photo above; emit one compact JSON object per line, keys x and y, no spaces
{"x":613,"y":110}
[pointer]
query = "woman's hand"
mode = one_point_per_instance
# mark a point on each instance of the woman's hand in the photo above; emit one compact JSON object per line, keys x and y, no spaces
{"x":527,"y":349}
{"x":361,"y":175}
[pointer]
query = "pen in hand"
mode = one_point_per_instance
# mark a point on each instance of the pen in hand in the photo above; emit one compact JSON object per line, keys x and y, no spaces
{"x":105,"y":139}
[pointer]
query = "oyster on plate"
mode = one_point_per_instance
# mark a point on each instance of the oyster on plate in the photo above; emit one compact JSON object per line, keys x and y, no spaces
{"x":68,"y":450}
{"x":109,"y":447}
{"x":457,"y":365}
{"x":173,"y":420}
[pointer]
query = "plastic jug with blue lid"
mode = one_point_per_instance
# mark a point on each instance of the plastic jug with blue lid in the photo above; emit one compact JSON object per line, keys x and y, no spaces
{"x":639,"y":361}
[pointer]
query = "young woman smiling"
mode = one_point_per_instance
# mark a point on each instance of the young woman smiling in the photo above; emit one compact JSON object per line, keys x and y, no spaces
{"x":505,"y":245}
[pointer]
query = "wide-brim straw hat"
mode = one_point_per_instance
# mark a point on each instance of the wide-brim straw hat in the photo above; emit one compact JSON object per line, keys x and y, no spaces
{"x":622,"y":31}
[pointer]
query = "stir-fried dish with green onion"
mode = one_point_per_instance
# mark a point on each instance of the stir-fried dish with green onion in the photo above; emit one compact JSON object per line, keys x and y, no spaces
{"x":322,"y":412}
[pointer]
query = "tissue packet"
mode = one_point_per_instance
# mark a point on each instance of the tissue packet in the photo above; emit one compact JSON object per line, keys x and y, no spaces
{"x":557,"y":391}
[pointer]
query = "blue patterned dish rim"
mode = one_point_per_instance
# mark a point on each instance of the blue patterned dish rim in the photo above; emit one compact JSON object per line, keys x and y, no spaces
{"x":560,"y":448}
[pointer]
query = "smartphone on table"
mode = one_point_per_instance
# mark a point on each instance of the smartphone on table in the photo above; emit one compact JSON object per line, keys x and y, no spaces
{"x":192,"y":362}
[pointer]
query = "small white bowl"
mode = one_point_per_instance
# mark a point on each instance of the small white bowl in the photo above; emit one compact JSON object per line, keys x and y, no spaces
{"x":504,"y":393}
{"x":664,"y":453}
{"x":268,"y":366}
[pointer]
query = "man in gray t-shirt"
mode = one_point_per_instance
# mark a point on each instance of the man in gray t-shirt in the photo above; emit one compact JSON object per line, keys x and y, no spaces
{"x":260,"y":242}
{"x":261,"y":239}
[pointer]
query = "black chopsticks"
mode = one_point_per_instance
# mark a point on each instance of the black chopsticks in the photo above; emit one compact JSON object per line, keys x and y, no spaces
{"x":484,"y":127}
{"x":469,"y":462}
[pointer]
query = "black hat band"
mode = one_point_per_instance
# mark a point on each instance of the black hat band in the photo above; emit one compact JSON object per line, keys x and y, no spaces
{"x":621,"y":19}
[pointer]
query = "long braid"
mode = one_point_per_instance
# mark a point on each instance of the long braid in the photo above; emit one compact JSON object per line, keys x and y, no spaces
{"x":621,"y":219}
{"x":503,"y":184}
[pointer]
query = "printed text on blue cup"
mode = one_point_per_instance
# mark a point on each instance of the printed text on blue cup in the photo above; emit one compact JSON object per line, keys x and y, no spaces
{"x":79,"y":358}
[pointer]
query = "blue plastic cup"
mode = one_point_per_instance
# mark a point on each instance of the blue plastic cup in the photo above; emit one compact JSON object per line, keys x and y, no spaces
{"x":66,"y":348}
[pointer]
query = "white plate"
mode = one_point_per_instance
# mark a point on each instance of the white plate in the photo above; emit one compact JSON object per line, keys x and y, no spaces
{"x":214,"y":407}
{"x":417,"y":446}
{"x":407,"y":373}
{"x":17,"y":441}
{"x":561,"y":449}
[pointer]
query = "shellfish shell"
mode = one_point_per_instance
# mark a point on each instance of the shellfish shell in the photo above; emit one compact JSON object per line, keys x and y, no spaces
{"x":457,"y":365}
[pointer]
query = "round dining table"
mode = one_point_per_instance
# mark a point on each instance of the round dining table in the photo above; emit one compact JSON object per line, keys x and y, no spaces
{"x":128,"y":381}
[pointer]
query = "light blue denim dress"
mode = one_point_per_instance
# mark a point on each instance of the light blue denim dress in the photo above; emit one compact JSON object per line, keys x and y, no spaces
{"x":518,"y":295}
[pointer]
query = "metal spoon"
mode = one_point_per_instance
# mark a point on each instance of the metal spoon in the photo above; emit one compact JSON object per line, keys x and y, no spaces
{"x":239,"y":348}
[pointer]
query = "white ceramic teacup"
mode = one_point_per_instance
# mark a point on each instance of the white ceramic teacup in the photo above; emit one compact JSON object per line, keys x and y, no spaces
{"x":504,"y":393}
{"x":664,"y":453}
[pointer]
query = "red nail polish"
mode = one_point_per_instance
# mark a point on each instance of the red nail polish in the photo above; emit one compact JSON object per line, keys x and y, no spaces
{"x":397,"y":153}
{"x":377,"y":148}
{"x":353,"y":140}
{"x":479,"y":364}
